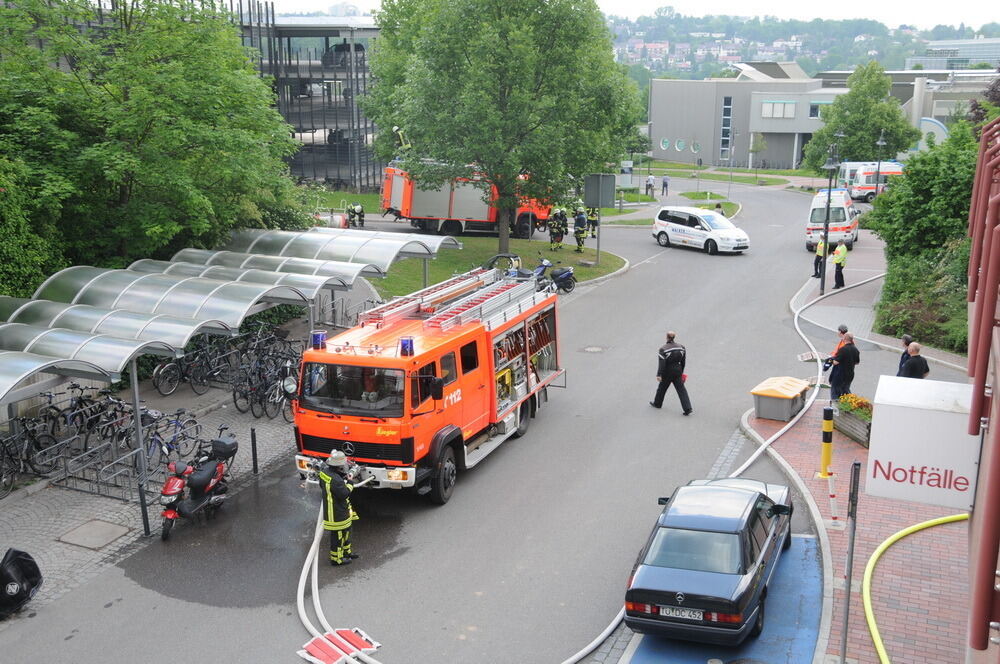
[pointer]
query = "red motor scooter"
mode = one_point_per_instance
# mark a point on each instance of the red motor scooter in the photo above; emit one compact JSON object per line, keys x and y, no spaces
{"x":204,"y":479}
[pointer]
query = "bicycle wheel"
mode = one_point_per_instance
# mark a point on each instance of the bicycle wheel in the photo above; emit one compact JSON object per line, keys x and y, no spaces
{"x":272,"y":401}
{"x":43,"y":453}
{"x":188,"y":436}
{"x":286,"y":410}
{"x":50,"y":416}
{"x":257,"y":403}
{"x":170,"y":378}
{"x":241,"y":392}
{"x":8,"y":473}
{"x":198,"y":377}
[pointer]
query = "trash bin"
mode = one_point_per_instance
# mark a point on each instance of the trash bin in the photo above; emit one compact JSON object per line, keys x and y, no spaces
{"x":779,"y":398}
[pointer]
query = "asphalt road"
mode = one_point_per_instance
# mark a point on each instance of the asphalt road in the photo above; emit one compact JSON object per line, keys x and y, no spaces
{"x":529,"y":560}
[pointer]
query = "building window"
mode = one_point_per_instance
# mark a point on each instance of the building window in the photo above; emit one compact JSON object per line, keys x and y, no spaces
{"x":724,"y":154}
{"x":789,"y":109}
{"x":727,"y":122}
{"x":727,"y":101}
{"x":777,"y":109}
{"x":767,"y":110}
{"x":727,"y":111}
{"x":725,"y":132}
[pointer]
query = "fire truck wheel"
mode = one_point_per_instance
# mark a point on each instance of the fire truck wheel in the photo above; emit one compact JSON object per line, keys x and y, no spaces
{"x":523,"y":419}
{"x":524,"y":227}
{"x":443,"y":482}
{"x":451,"y":227}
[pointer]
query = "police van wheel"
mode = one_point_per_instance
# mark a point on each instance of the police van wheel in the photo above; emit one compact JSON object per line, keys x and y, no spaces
{"x":663,"y":239}
{"x":850,"y":246}
{"x":443,"y":482}
{"x":711,"y":248}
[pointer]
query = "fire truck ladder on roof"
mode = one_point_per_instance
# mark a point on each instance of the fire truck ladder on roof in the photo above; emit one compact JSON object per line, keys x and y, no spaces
{"x":482,"y":305}
{"x":401,"y":307}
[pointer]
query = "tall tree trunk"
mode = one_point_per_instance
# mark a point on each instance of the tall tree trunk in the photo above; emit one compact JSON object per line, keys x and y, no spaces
{"x":504,"y":219}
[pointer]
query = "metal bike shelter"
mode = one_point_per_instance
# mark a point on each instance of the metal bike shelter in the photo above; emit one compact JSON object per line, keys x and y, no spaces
{"x":355,"y":246}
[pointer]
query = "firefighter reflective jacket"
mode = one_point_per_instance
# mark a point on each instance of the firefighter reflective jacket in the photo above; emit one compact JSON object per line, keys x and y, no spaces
{"x":337,"y":510}
{"x":820,"y":248}
{"x":840,"y":255}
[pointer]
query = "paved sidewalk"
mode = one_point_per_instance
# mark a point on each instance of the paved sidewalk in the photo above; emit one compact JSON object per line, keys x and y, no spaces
{"x":919,"y":590}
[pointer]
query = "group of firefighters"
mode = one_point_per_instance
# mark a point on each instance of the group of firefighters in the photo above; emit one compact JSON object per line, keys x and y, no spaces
{"x":585,"y":222}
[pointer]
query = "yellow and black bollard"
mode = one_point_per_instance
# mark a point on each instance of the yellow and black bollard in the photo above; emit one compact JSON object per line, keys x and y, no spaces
{"x":826,"y":455}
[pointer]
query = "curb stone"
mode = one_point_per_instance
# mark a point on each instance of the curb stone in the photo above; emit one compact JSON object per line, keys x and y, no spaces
{"x":826,"y":617}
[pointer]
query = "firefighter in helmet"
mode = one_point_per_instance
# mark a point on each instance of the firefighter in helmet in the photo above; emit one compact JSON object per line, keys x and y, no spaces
{"x":580,"y":229}
{"x":593,"y":221}
{"x":356,"y":215}
{"x":558,"y":224}
{"x":338,"y":515}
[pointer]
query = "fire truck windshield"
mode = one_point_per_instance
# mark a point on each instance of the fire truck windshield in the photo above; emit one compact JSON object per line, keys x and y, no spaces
{"x":352,"y":390}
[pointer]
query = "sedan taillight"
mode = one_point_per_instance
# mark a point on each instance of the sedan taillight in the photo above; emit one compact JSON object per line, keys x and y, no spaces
{"x":637,"y":607}
{"x":731,"y":618}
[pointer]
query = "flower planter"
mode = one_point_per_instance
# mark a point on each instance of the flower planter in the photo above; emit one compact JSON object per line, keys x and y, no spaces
{"x":853,"y":427}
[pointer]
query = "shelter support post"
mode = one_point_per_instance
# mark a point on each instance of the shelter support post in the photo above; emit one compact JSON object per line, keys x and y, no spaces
{"x":426,"y":272}
{"x":141,"y":451}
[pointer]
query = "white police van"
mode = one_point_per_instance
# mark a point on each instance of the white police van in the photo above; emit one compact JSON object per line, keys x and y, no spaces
{"x":843,"y":219}
{"x":699,"y":228}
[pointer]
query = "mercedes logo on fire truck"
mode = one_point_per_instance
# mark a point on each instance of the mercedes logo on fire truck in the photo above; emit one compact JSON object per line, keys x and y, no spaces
{"x":680,"y":598}
{"x":348,"y":449}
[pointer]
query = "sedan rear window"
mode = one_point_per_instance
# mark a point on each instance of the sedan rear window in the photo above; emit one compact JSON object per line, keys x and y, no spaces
{"x":697,"y":550}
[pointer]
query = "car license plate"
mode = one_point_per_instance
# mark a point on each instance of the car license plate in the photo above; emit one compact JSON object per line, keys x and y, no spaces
{"x":686,"y":614}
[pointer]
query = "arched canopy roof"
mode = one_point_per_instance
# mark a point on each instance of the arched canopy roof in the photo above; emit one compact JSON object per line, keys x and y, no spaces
{"x":320,"y":268}
{"x":434,"y":242}
{"x":17,"y":366}
{"x":109,"y":353}
{"x":171,"y":330}
{"x":309,"y":285}
{"x":194,"y":297}
{"x":354,"y":248}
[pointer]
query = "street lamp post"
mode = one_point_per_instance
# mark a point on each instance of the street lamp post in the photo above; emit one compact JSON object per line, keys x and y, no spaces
{"x":878,"y":169}
{"x":830,"y":167}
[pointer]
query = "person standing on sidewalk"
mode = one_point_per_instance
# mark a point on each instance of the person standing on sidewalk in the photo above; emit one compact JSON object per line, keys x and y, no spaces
{"x":665,"y":185}
{"x":828,"y":364}
{"x":650,"y":185}
{"x":848,"y":356}
{"x":671,"y":360}
{"x":916,"y":365}
{"x":839,"y":261}
{"x":907,"y":340}
{"x":818,"y":261}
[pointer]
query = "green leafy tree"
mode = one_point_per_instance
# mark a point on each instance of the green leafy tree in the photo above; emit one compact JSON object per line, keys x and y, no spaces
{"x":26,"y":256}
{"x":758,"y":144}
{"x":152,"y":133}
{"x":861,"y":114}
{"x":524,"y":93}
{"x":923,"y":217}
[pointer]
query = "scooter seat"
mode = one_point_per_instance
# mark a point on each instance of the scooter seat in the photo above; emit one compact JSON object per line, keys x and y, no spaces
{"x":201,"y":477}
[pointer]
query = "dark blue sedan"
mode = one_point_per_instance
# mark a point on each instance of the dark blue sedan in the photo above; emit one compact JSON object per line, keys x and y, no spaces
{"x":704,"y":572}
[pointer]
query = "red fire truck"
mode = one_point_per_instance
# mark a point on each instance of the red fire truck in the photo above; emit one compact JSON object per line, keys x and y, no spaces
{"x":427,"y":385}
{"x":453,"y":208}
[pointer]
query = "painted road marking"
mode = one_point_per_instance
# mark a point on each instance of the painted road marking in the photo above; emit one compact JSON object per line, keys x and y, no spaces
{"x":791,"y":623}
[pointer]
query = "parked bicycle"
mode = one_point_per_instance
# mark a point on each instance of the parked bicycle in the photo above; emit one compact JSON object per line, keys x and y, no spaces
{"x":27,"y":448}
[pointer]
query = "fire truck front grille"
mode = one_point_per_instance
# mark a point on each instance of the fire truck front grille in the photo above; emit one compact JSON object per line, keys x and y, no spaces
{"x":379,"y":451}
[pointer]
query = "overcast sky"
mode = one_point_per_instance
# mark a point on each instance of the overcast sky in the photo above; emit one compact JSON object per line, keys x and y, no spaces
{"x":890,"y":12}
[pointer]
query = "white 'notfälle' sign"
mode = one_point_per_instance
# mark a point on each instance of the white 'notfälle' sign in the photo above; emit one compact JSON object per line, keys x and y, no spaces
{"x":919,"y":448}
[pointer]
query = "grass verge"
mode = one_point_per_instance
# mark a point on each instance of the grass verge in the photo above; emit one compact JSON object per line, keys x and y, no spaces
{"x":337,"y":199}
{"x":701,"y":195}
{"x":406,"y":276}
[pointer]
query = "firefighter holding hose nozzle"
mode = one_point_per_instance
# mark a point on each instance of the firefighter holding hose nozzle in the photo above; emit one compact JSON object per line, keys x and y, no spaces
{"x":338,"y":515}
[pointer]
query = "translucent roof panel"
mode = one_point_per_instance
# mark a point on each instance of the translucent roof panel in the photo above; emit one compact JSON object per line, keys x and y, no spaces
{"x":174,"y":331}
{"x":17,"y":366}
{"x":111,"y":354}
{"x":434,"y":242}
{"x":308,"y":284}
{"x":379,"y":249}
{"x":347,"y":271}
{"x":176,"y":295}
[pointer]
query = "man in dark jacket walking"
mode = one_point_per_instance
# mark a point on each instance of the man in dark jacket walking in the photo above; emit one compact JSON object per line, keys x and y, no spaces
{"x":907,"y":340}
{"x":847,"y":357}
{"x":338,"y":515}
{"x":671,"y":359}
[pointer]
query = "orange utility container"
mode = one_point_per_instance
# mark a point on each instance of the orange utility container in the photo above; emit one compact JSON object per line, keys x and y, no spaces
{"x":453,"y":208}
{"x":427,"y":385}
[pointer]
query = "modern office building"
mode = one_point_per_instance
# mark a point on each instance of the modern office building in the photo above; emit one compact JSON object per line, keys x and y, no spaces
{"x":957,"y":54}
{"x":713,"y":121}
